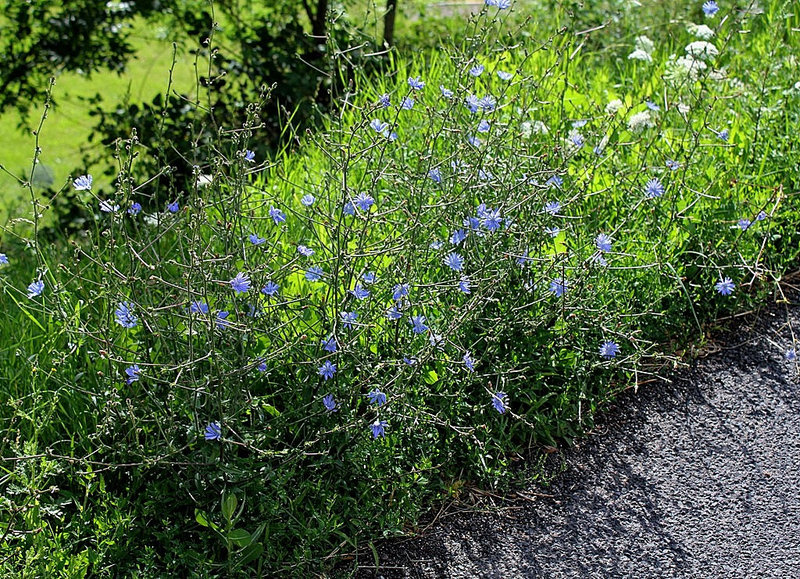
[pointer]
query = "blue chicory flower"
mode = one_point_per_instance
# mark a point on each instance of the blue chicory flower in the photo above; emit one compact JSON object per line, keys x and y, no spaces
{"x":418,"y":323}
{"x":653,"y":189}
{"x":469,"y":362}
{"x":330,"y":345}
{"x":256,"y":240}
{"x":327,"y":370}
{"x":213,"y":431}
{"x":364,"y":201}
{"x":553,"y":207}
{"x":378,"y":126}
{"x":222,"y":322}
{"x":379,"y":428}
{"x":83,"y":183}
{"x":270,"y":289}
{"x":725,"y":287}
{"x":132,"y":373}
{"x":359,"y":292}
{"x":609,"y":349}
{"x":35,"y":289}
{"x":454,"y":261}
{"x":314,"y":273}
{"x":125,"y":316}
{"x":558,"y":286}
{"x":498,"y":402}
{"x":394,"y":313}
{"x":377,"y":397}
{"x":277,"y":215}
{"x":416,"y":83}
{"x":603,"y":242}
{"x":348,"y":319}
{"x":240,"y":283}
{"x":400,"y":291}
{"x":552,"y":231}
{"x":329,"y":403}
{"x":710,"y":8}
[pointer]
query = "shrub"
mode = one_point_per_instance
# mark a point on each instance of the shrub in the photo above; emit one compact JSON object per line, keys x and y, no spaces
{"x":286,"y":358}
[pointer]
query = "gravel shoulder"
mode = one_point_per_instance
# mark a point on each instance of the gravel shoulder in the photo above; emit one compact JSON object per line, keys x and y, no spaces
{"x":693,"y":478}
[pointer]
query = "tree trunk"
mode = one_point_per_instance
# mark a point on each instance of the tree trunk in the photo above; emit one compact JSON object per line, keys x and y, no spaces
{"x":388,"y":22}
{"x":319,"y":25}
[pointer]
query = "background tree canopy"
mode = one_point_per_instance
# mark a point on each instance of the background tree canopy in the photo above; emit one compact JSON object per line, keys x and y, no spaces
{"x":300,"y":55}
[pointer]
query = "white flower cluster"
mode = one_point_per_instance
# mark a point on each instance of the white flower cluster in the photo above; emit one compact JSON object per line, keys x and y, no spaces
{"x":643,"y":49}
{"x":640,"y":121}
{"x":700,"y":31}
{"x":702,"y":50}
{"x":614,"y":106}
{"x":529,"y":128}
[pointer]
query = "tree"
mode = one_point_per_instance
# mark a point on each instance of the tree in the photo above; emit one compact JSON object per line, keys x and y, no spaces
{"x":44,"y":38}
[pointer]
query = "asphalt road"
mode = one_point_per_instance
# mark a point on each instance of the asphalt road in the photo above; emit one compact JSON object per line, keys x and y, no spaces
{"x":697,"y":478}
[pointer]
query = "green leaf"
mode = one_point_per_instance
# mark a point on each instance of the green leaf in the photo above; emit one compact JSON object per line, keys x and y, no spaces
{"x":202,"y":519}
{"x":270,"y":409}
{"x":375,"y":555}
{"x":229,"y":506}
{"x":240,"y":537}
{"x":250,"y":553}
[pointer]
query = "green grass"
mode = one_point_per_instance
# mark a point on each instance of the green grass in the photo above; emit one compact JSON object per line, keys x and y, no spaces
{"x":291,"y":486}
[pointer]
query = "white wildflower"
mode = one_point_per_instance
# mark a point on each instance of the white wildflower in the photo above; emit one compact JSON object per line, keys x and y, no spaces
{"x":702,"y":50}
{"x":683,"y":108}
{"x":736,"y":83}
{"x":529,"y":128}
{"x":644,"y":48}
{"x":639,"y":54}
{"x":681,"y":68}
{"x":700,"y":31}
{"x":718,"y":74}
{"x":644,"y":44}
{"x":640,"y":121}
{"x":613,"y":107}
